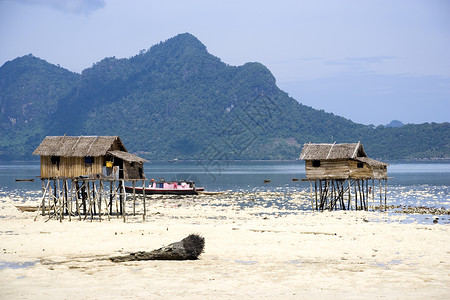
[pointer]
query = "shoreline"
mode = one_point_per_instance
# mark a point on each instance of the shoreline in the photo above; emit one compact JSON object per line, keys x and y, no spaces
{"x":400,"y":160}
{"x":251,"y":252}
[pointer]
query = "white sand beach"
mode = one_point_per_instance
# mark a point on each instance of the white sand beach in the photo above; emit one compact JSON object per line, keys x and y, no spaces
{"x":255,"y":252}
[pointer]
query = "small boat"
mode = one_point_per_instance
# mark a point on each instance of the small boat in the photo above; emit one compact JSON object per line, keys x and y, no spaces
{"x":210,"y":193}
{"x":182,"y":187}
{"x":30,"y":180}
{"x":26,"y":208}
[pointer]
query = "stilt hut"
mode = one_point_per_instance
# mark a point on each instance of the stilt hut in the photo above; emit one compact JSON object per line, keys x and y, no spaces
{"x":334,"y":168}
{"x":84,"y":171}
{"x":98,"y":156}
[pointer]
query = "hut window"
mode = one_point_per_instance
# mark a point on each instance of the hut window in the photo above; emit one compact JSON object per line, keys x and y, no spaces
{"x":55,"y":160}
{"x":360,"y":165}
{"x":132,"y":164}
{"x":316,"y":163}
{"x":88,"y":161}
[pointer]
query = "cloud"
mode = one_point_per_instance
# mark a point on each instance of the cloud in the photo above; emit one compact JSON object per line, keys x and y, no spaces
{"x":371,"y":59}
{"x":69,"y":6}
{"x":349,"y":61}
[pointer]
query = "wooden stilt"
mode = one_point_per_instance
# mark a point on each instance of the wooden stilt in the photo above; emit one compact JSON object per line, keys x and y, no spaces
{"x":42,"y":202}
{"x":110,"y":197}
{"x":54,"y":193}
{"x":134,"y":197}
{"x":43,"y":195}
{"x":50,"y":198}
{"x":332,"y":195}
{"x":337,"y":200}
{"x":106,"y":199}
{"x":341,"y":192}
{"x":115,"y":197}
{"x":94,"y":197}
{"x":361,"y":204}
{"x":336,"y":194}
{"x":385,"y":195}
{"x":122,"y":192}
{"x":381,"y":201}
{"x":90,"y":202}
{"x":324,"y":201}
{"x":60,"y":201}
{"x":83,"y":197}
{"x":373,"y":193}
{"x":359,"y":195}
{"x":119,"y":191}
{"x":70,"y":200}
{"x":363,"y":195}
{"x":143,"y":194}
{"x":349,"y":194}
{"x":368,"y":193}
{"x":315,"y":189}
{"x":321,"y":196}
{"x":66,"y":197}
{"x":98,"y":193}
{"x":77,"y":195}
{"x":79,"y":199}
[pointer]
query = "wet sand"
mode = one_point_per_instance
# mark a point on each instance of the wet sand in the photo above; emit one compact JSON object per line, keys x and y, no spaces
{"x":251,"y":252}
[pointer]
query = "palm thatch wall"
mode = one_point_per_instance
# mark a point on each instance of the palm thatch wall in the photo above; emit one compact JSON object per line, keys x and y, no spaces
{"x":340,"y":161}
{"x":74,"y":156}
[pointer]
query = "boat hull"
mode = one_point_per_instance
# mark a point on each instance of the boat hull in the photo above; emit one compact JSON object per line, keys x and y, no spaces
{"x":156,"y":191}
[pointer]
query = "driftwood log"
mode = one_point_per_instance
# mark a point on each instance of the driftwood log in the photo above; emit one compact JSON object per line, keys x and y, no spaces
{"x":188,"y":248}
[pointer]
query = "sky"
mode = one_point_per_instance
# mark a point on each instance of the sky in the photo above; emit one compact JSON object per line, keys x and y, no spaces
{"x":368,"y":61}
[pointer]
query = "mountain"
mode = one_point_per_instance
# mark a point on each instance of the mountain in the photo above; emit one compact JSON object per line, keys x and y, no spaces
{"x":177,"y":100}
{"x":395,"y":123}
{"x":30,"y":89}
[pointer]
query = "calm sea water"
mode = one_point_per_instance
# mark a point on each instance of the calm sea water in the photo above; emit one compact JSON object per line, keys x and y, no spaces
{"x":412,"y":184}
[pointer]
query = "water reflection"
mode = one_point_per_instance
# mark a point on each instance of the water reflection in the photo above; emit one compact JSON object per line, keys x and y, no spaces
{"x":416,"y":184}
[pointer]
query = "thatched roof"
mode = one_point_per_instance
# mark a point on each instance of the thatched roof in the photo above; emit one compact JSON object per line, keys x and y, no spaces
{"x":77,"y":146}
{"x":332,"y":151}
{"x":126,"y":156}
{"x":371,"y":162}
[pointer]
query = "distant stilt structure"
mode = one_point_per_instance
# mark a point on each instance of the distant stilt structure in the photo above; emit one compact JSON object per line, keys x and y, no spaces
{"x":341,"y":173}
{"x":337,"y":194}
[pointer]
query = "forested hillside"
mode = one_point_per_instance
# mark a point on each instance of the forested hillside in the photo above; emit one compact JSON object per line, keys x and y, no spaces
{"x":30,"y":89}
{"x":177,"y":100}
